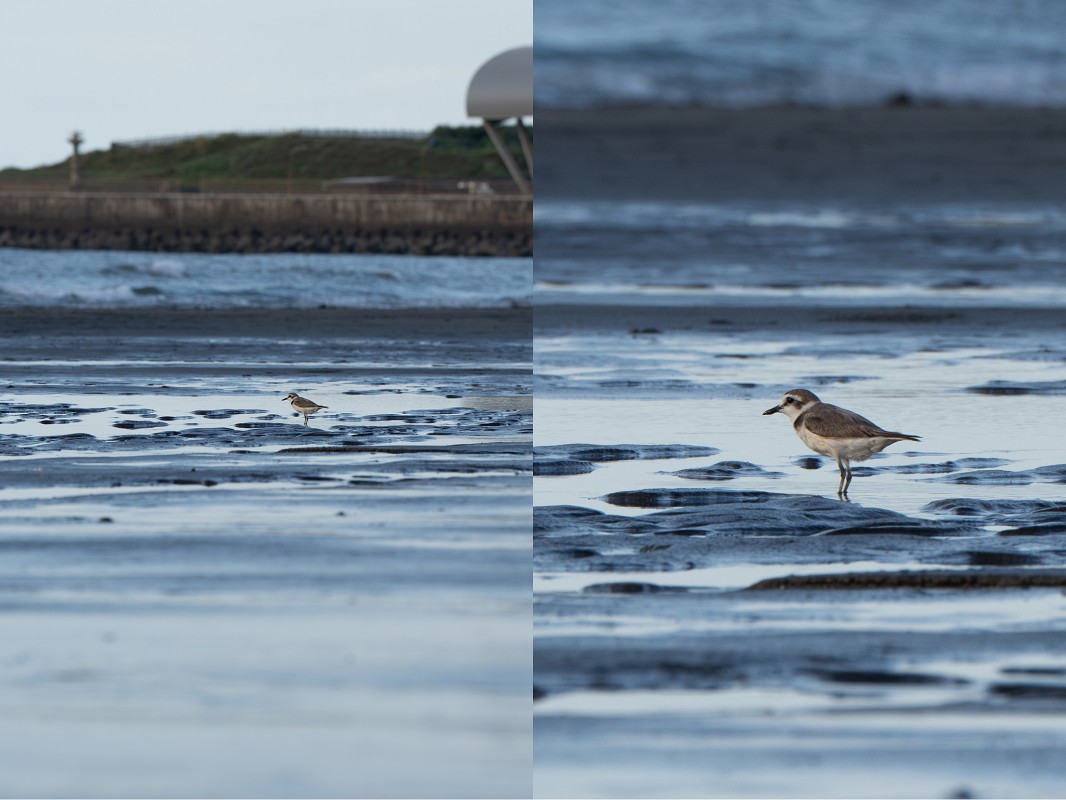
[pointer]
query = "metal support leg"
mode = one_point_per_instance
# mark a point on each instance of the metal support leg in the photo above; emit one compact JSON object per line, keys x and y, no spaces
{"x":527,"y":146}
{"x":505,"y":156}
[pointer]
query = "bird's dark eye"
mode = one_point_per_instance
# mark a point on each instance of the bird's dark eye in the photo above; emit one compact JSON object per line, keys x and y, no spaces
{"x":789,"y":400}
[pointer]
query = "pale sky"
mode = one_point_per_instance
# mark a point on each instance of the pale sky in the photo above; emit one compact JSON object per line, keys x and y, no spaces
{"x":128,"y":69}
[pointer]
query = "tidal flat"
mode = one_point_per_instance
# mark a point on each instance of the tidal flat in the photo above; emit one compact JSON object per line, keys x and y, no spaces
{"x":709,"y":619}
{"x":201,"y":596}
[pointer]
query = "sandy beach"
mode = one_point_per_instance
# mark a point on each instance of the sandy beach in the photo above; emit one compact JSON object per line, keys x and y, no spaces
{"x":709,"y":619}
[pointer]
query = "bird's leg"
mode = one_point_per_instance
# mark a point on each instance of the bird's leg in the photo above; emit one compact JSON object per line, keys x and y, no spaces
{"x":305,"y":419}
{"x":847,"y":483}
{"x":841,"y":488}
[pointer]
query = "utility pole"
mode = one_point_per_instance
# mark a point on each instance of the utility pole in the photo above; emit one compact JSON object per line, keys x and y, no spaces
{"x":75,"y":166}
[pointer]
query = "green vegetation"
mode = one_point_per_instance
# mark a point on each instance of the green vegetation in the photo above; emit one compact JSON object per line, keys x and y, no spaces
{"x":459,"y":152}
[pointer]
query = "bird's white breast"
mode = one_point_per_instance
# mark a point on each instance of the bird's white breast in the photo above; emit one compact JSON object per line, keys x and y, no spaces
{"x":854,"y":448}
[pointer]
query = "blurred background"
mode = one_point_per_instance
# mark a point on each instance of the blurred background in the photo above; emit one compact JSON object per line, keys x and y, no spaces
{"x":735,"y":199}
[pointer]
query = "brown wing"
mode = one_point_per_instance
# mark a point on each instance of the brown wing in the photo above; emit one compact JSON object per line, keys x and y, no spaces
{"x":834,"y":422}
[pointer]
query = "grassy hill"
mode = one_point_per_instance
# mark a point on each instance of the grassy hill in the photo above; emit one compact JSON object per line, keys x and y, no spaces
{"x":459,"y":152}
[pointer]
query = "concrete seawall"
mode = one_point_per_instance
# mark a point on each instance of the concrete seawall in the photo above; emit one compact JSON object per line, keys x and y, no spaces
{"x":471,"y":225}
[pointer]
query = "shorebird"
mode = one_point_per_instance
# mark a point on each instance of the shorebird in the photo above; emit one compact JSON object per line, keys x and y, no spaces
{"x":835,"y":432}
{"x":302,"y":405}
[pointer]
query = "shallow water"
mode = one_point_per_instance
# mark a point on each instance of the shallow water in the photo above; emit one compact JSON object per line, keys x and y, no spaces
{"x":232,"y":584}
{"x":742,"y":434}
{"x":677,"y":650}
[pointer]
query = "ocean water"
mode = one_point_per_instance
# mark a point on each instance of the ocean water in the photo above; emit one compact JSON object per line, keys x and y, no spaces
{"x":103,"y":278}
{"x":821,"y":52}
{"x":938,"y":254}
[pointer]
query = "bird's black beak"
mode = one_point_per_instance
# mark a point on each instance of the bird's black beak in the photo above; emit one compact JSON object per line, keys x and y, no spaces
{"x":773,"y":410}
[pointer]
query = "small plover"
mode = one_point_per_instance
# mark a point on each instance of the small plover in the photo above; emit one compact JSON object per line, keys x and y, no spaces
{"x":302,"y":405}
{"x":835,"y":432}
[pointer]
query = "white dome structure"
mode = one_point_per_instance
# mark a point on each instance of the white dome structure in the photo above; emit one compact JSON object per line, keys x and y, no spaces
{"x":503,"y":86}
{"x":502,"y":89}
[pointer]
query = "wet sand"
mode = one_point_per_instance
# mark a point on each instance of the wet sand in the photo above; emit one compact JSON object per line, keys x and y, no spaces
{"x":508,"y":325}
{"x":193,"y":577}
{"x":709,"y":620}
{"x":794,"y":321}
{"x":865,"y":156}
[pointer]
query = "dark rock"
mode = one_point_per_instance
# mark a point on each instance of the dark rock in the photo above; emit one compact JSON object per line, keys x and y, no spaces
{"x":997,"y":558}
{"x":226,"y":413}
{"x":514,"y":241}
{"x":921,"y":579}
{"x":1053,"y":473}
{"x":1044,"y":529}
{"x":1033,"y":671}
{"x":626,"y":587}
{"x":623,"y":452}
{"x":991,"y":477}
{"x":1009,"y":388}
{"x":1029,"y":691}
{"x":879,"y":677}
{"x":727,"y":471}
{"x":744,"y":513}
{"x":565,"y":518}
{"x":980,"y":463}
{"x":923,"y":469}
{"x":550,"y":467}
{"x":993,"y":509}
{"x":902,"y":528}
{"x":578,"y":459}
{"x":674,"y":498}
